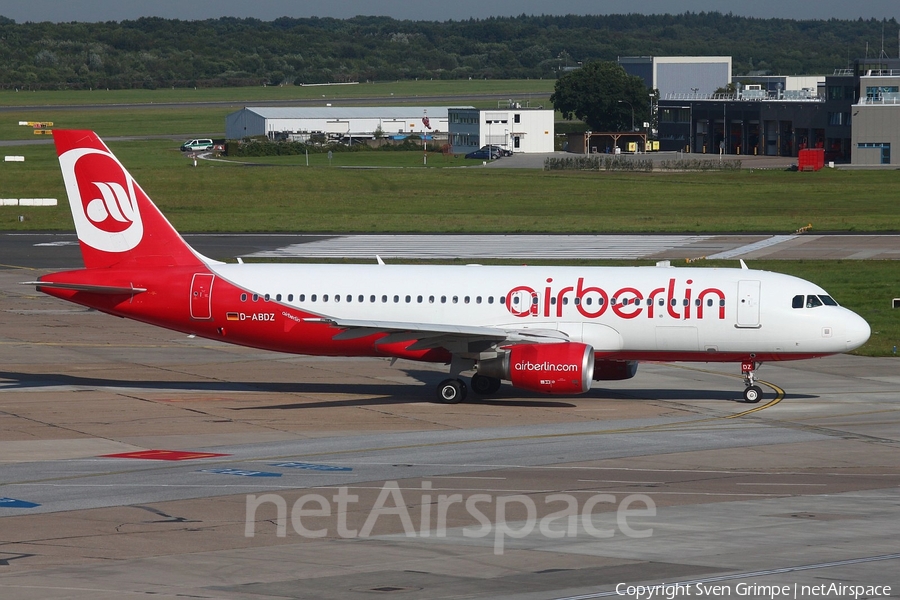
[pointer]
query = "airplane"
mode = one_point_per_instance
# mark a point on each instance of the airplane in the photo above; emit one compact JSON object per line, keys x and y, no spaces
{"x":546,"y":329}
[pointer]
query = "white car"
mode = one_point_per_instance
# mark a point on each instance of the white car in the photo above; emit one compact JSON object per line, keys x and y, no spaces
{"x":195,"y":145}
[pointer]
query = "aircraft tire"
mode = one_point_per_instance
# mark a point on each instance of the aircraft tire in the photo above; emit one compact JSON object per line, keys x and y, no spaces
{"x":451,"y":391}
{"x":753,"y":394}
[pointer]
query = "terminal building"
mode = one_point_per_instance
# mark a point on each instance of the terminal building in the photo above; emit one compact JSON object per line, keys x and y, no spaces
{"x":854,"y":115}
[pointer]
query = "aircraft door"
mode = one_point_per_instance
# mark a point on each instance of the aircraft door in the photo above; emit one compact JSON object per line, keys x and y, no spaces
{"x":201,"y":296}
{"x":748,"y":304}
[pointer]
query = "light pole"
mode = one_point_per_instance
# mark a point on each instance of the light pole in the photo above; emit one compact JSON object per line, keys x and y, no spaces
{"x":632,"y":111}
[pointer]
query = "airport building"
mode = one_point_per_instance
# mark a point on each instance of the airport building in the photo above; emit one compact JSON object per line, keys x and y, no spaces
{"x":680,"y":74}
{"x":515,"y":128}
{"x":333,"y":123}
{"x":854,"y":115}
{"x":876,"y":119}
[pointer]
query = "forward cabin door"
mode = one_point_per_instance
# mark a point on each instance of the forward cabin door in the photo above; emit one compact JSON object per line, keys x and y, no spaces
{"x":201,"y":296}
{"x":748,"y":304}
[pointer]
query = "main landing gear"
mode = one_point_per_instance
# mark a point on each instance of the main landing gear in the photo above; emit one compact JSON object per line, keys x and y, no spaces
{"x":752,"y":393}
{"x":454,"y":391}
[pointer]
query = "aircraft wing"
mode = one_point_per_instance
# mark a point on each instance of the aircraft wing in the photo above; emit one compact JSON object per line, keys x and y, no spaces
{"x":432,"y":335}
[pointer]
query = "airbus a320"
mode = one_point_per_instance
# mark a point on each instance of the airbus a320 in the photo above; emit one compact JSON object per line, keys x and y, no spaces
{"x":547,"y":329}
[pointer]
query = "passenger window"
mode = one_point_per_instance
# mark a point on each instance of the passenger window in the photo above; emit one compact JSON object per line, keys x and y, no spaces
{"x":430,"y":299}
{"x":419,"y":299}
{"x":466,"y":299}
{"x":478,"y":300}
{"x":490,"y":299}
{"x":408,"y":299}
{"x":277,"y":297}
{"x":502,"y":300}
{"x":686,"y":302}
{"x":722,"y":302}
{"x":709,"y":301}
{"x":361,"y":298}
{"x":372,"y":298}
{"x":290,"y":297}
{"x":349,"y":298}
{"x":515,"y":300}
{"x":384,"y":298}
{"x":577,"y":301}
{"x":443,"y":299}
{"x":797,"y":302}
{"x":301,"y":297}
{"x":324,"y":297}
{"x":455,"y":299}
{"x":553,"y":301}
{"x":396,"y":299}
{"x":337,"y":297}
{"x":312,"y":298}
{"x":565,"y":300}
{"x":661,"y":302}
{"x":813,"y":301}
{"x":243,"y":297}
{"x":587,"y":301}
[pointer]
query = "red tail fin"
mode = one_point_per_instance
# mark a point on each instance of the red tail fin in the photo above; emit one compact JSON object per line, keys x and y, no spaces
{"x":116,"y":222}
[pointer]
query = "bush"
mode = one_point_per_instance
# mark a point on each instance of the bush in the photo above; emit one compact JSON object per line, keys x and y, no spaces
{"x":597,"y":163}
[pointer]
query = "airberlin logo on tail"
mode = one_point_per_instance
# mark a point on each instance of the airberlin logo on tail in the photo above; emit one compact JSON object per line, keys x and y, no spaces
{"x":103,"y":197}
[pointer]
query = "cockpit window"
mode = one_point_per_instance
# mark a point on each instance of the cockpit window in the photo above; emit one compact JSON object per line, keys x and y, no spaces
{"x":827,"y":300}
{"x":798,"y":301}
{"x":813,"y":301}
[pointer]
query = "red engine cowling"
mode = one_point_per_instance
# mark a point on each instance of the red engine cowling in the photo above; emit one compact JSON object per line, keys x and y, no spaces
{"x":564,"y":368}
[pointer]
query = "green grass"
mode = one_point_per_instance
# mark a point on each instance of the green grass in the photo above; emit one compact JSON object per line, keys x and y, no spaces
{"x":520,"y":89}
{"x":142,"y":117}
{"x":221,"y":196}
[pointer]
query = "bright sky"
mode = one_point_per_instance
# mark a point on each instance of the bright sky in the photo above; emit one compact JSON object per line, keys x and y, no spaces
{"x":430,"y":10}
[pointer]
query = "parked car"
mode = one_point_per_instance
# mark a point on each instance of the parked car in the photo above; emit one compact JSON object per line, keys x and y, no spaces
{"x":498,"y":150}
{"x":197,"y":145}
{"x":481,"y":153}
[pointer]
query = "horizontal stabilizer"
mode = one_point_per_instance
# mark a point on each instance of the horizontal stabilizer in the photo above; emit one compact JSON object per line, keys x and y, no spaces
{"x":86,"y":287}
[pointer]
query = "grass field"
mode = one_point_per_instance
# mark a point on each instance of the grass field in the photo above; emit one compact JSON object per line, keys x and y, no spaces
{"x":288,"y":196}
{"x":136,"y":112}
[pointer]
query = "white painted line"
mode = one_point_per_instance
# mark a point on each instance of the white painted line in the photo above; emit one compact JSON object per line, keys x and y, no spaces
{"x":772,"y":241}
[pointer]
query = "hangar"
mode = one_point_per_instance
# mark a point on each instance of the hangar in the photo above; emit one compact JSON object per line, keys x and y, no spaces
{"x":335,"y":122}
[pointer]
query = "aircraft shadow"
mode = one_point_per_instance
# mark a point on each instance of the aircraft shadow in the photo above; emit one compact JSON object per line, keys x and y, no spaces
{"x":385,"y":393}
{"x":379,"y":394}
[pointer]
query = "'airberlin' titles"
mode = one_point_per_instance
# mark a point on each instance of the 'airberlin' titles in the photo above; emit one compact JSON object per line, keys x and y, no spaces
{"x":626,"y":303}
{"x":545,"y":366}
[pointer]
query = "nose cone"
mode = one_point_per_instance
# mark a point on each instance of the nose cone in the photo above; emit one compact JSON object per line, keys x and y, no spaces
{"x":856,"y":330}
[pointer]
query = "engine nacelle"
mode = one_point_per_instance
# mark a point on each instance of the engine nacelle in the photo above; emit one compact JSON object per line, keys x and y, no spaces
{"x":564,"y":368}
{"x":614,"y":370}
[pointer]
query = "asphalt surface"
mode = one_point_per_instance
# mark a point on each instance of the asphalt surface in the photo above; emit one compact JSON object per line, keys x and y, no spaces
{"x":668,"y":476}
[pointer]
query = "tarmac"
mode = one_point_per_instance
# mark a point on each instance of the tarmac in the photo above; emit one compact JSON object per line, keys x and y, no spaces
{"x":136,"y":461}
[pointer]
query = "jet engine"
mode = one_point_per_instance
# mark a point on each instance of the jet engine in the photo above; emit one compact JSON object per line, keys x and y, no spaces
{"x":562,"y":368}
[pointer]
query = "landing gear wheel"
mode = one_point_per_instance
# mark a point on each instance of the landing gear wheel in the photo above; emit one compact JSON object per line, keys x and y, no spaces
{"x":484,"y":385}
{"x":753,"y":394}
{"x":451,"y":391}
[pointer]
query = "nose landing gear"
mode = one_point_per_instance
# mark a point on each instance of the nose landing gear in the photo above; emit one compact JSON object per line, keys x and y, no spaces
{"x":752,"y":393}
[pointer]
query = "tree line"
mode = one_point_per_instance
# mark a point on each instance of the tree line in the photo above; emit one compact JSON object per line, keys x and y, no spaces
{"x":154,"y":52}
